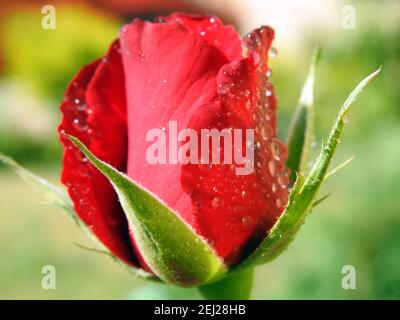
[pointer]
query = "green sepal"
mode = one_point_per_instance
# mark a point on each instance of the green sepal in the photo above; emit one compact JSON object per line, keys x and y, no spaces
{"x":301,"y":129}
{"x":54,"y":195}
{"x":169,"y":246}
{"x":59,"y":199}
{"x":304,"y":192}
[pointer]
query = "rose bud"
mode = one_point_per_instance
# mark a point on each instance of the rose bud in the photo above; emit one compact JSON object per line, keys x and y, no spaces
{"x":189,"y":70}
{"x":183,"y":214}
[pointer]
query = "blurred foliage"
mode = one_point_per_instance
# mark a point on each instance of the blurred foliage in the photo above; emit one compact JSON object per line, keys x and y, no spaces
{"x":48,"y":59}
{"x":45,"y":61}
{"x":358,"y":225}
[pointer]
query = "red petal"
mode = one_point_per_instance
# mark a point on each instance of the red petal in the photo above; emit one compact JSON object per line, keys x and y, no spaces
{"x":94,"y":111}
{"x":234,"y":212}
{"x":169,"y":75}
{"x":211,"y":30}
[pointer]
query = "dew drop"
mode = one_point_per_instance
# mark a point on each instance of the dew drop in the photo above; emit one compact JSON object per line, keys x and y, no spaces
{"x":274,"y":187}
{"x":268,"y":115}
{"x":272,"y":168}
{"x":266,"y":132}
{"x":84,"y":189}
{"x":346,"y":118}
{"x":268,"y":93}
{"x":269,"y":73}
{"x":83,"y":201}
{"x":202,"y":33}
{"x":273,"y":52}
{"x":246,"y":220}
{"x":283,"y":180}
{"x":279,"y":203}
{"x":81,"y":106}
{"x":276,"y":149}
{"x":216,"y":202}
{"x":223,"y":88}
{"x":80,"y":125}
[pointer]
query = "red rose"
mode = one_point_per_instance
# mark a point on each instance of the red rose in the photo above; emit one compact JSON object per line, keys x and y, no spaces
{"x":190,"y":70}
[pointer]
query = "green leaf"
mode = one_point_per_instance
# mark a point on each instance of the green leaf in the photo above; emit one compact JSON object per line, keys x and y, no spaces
{"x":58,"y":198}
{"x":234,"y":287}
{"x":54,"y":195}
{"x":170,"y":247}
{"x":302,"y":196}
{"x":301,"y":129}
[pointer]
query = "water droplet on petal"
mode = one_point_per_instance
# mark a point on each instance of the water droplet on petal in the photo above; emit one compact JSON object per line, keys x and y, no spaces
{"x":273,"y":52}
{"x":81,"y":106}
{"x":266,"y":132}
{"x":272,"y":167}
{"x":223,"y":88}
{"x":83,"y":201}
{"x":216,"y":202}
{"x":80,"y":124}
{"x":283,"y":180}
{"x":276,"y":149}
{"x":246,"y":220}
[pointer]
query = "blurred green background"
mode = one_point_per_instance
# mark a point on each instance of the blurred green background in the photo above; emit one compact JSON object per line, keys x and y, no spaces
{"x":359,"y":224}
